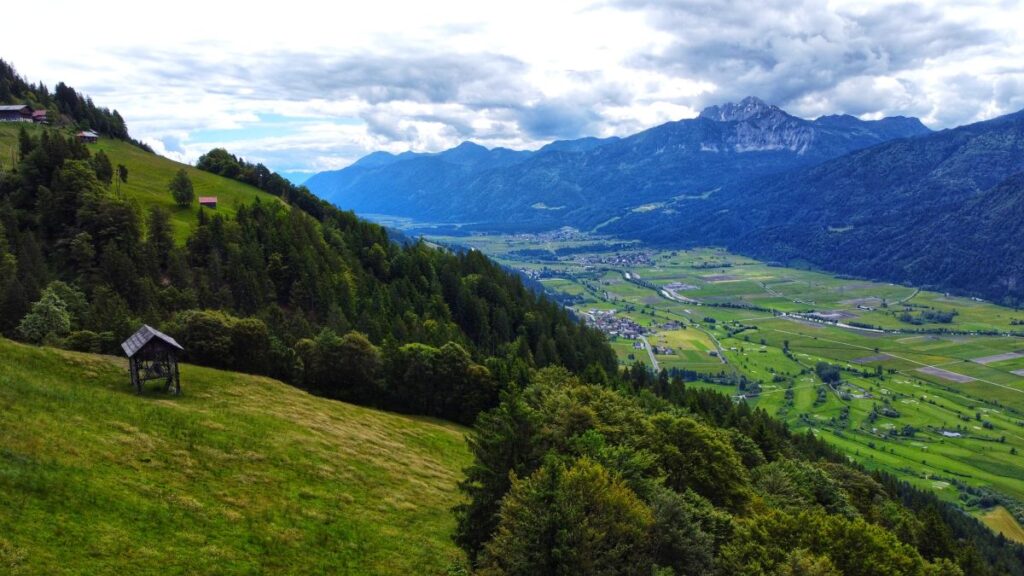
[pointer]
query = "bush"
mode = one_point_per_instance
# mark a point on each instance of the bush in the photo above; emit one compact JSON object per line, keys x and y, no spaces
{"x":84,"y":341}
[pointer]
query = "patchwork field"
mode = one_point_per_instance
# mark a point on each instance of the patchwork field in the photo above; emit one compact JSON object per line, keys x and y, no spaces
{"x":931,"y":388}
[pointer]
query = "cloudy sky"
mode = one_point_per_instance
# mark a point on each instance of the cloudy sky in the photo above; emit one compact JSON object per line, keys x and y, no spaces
{"x":309,"y":86}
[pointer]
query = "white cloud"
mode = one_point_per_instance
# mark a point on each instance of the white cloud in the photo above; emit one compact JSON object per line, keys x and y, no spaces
{"x":343,"y":80}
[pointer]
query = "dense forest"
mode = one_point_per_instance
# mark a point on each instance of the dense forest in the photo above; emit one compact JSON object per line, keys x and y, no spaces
{"x":325,"y":301}
{"x":64,"y":105}
{"x":570,"y":477}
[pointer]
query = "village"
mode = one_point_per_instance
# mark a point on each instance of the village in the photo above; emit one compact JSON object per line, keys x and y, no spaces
{"x":609,"y":322}
{"x":641,"y":258}
{"x":25,"y":113}
{"x":617,"y":326}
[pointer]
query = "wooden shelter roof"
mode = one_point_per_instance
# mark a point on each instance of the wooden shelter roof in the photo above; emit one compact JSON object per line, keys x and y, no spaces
{"x":142,"y":337}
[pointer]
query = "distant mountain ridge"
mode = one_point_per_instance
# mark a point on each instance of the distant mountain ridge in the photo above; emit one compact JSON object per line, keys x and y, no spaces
{"x":942,"y":211}
{"x":593,"y":180}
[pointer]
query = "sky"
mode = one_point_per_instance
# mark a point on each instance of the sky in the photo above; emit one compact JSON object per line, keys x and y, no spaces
{"x":310,"y":86}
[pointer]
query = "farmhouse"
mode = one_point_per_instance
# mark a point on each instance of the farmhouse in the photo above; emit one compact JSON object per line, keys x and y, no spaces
{"x":39,"y":117}
{"x":87,"y":136}
{"x":15,"y":113}
{"x":208,"y":201}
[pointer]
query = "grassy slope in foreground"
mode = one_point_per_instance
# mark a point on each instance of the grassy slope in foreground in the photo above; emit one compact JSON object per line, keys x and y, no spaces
{"x":241,"y":474}
{"x":149,"y":175}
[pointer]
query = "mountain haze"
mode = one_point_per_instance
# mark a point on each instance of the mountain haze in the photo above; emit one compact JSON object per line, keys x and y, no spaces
{"x":585,"y":182}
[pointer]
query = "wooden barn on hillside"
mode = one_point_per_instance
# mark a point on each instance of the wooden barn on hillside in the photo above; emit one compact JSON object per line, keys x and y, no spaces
{"x":153,"y":355}
{"x":15,"y":113}
{"x":88,"y":136}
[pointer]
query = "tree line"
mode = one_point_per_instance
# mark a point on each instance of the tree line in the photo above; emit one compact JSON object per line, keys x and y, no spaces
{"x":572,"y":476}
{"x":64,"y":105}
{"x":326,"y":301}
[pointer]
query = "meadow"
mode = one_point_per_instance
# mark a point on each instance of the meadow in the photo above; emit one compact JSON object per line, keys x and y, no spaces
{"x":937,"y":403}
{"x":148,"y":179}
{"x":238,"y":475}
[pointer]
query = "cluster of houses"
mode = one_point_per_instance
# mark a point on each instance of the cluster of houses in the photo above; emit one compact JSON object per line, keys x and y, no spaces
{"x":25,"y":113}
{"x":22,"y":113}
{"x":625,"y":259}
{"x":619,"y":326}
{"x":563,"y":234}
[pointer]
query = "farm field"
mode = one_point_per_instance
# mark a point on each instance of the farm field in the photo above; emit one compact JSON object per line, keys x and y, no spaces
{"x":931,"y":386}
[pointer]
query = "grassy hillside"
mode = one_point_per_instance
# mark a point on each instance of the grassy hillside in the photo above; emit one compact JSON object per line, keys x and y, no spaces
{"x":149,"y":175}
{"x":1002,"y":522}
{"x":241,"y":474}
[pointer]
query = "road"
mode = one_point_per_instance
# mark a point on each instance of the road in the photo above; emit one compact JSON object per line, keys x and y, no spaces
{"x":650,"y":352}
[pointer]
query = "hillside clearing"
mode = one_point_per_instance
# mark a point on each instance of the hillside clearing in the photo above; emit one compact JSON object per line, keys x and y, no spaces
{"x":1002,"y":522}
{"x":241,"y":474}
{"x":149,"y":176}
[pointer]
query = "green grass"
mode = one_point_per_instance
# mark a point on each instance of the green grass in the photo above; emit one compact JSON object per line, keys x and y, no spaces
{"x":149,"y":175}
{"x":239,"y":475}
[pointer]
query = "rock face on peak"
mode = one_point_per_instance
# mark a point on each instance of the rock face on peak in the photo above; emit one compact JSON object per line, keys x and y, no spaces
{"x":939,"y":211}
{"x":593,"y":180}
{"x":749,"y":107}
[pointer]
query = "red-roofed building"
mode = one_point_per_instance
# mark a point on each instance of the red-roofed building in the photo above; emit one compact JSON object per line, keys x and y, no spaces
{"x":208,"y":201}
{"x":39,"y":117}
{"x":88,"y":136}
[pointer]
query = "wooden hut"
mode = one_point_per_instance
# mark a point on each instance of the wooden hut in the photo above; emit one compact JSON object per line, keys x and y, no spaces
{"x":88,"y":136}
{"x":208,"y":201}
{"x":153,"y":355}
{"x":15,"y":113}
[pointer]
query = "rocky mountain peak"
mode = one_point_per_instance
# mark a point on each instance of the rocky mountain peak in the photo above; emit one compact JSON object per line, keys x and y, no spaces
{"x":748,"y":108}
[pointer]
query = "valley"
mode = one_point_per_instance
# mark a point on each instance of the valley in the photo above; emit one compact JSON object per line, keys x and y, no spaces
{"x":928,"y":386}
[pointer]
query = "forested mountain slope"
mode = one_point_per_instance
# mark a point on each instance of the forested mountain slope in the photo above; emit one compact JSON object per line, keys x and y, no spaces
{"x":938,"y":211}
{"x":294,"y":289}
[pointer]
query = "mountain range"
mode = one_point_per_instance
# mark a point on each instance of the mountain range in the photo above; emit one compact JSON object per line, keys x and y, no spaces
{"x":886,"y":199}
{"x":585,"y":182}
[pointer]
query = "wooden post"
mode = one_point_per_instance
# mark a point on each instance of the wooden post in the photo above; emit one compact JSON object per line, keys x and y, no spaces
{"x":134,"y":367}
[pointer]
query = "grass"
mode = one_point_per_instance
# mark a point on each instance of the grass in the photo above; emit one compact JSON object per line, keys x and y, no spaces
{"x":1002,"y":522}
{"x":239,"y":475}
{"x":149,"y":176}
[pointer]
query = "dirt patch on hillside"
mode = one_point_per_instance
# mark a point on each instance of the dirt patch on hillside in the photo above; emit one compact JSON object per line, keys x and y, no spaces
{"x":870,"y":359}
{"x":997,"y":358}
{"x":945,"y":374}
